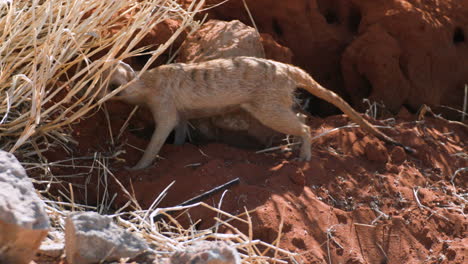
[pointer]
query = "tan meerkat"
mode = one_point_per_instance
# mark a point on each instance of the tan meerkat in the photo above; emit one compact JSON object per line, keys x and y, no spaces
{"x":264,"y":88}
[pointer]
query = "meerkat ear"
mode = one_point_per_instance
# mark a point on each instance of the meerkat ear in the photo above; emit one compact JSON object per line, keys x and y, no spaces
{"x":131,"y":74}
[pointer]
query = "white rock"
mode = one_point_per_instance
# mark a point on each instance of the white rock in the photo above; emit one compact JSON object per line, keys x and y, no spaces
{"x":23,"y":220}
{"x":91,"y":238}
{"x":207,"y":253}
{"x":51,"y":250}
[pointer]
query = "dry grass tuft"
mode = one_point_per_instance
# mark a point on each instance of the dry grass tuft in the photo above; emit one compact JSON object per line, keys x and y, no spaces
{"x":48,"y":79}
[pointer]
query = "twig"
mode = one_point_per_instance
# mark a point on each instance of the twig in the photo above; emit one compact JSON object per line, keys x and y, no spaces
{"x":312,"y":139}
{"x":211,"y":192}
{"x":438,"y":116}
{"x":375,"y":207}
{"x":328,"y":246}
{"x":219,"y":208}
{"x":158,"y":199}
{"x":109,"y":126}
{"x":280,"y":231}
{"x":193,"y":165}
{"x":383,"y":251}
{"x":456,"y":172}
{"x":372,"y":108}
{"x":359,"y":239}
{"x":465,"y":103}
{"x":7,"y":109}
{"x":250,"y":16}
{"x":415,"y":193}
{"x":330,"y":236}
{"x":125,"y":124}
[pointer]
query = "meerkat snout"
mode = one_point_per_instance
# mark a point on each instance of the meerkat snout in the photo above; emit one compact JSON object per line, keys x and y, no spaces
{"x":113,"y":86}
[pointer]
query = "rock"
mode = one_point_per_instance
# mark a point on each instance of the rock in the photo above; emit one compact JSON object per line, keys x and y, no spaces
{"x":52,"y":247}
{"x":219,"y":39}
{"x":398,"y":155}
{"x":275,"y":51}
{"x":146,"y":258}
{"x":207,"y":253}
{"x":376,"y":151}
{"x":23,"y":220}
{"x":91,"y":238}
{"x":51,"y":250}
{"x":157,"y":36}
{"x":415,"y":51}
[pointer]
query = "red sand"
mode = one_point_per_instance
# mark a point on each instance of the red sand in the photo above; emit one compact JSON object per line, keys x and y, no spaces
{"x":330,"y":205}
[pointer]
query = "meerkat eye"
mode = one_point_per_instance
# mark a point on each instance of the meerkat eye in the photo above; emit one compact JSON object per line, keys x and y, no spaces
{"x":113,"y":86}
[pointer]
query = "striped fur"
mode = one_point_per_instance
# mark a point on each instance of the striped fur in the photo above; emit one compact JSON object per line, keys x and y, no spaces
{"x":264,"y":88}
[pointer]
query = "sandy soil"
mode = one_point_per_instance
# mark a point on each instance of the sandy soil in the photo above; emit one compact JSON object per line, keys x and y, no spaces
{"x":357,"y":201}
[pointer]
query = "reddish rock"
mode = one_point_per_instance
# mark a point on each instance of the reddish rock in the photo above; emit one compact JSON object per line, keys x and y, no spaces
{"x":158,"y":35}
{"x":376,"y":151}
{"x":219,"y":39}
{"x":400,"y":52}
{"x":398,"y":155}
{"x":275,"y":51}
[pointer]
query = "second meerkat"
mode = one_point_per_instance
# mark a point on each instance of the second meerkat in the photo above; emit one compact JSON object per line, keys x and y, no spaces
{"x":264,"y":88}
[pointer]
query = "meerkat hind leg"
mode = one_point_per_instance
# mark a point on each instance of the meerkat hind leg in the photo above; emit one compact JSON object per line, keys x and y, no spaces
{"x":284,"y":120}
{"x":180,"y":132}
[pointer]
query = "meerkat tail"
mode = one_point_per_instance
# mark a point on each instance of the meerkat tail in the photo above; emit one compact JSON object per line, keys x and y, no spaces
{"x":309,"y":84}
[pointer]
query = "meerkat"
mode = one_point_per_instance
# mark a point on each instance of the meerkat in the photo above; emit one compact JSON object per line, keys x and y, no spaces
{"x":264,"y":88}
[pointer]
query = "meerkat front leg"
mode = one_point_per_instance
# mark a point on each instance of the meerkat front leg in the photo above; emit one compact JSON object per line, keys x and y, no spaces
{"x":165,"y":123}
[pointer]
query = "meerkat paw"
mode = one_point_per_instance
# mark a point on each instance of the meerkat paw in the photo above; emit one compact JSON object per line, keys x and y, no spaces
{"x":301,"y":159}
{"x":305,"y":156}
{"x":128,"y":168}
{"x":135,"y":168}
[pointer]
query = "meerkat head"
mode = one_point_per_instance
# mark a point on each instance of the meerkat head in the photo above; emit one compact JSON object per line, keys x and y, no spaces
{"x":117,"y":76}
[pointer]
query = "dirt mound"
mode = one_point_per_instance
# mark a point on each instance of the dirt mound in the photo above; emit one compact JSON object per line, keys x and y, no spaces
{"x":356,"y":201}
{"x":400,"y":52}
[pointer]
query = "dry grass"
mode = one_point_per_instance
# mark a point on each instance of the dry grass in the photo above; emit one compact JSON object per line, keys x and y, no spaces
{"x":46,"y":71}
{"x":52,"y":54}
{"x":161,"y":228}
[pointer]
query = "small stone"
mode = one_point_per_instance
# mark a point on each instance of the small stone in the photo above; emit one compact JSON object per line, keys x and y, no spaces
{"x":398,"y":155}
{"x":92,"y":238}
{"x":207,"y":253}
{"x":376,"y":151}
{"x":146,"y":257}
{"x":52,"y":250}
{"x":23,"y":220}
